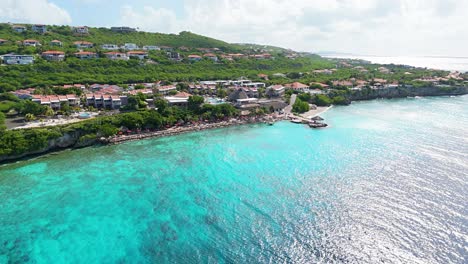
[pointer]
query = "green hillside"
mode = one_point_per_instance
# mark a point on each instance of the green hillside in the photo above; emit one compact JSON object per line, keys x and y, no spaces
{"x":101,"y":36}
{"x":157,"y":67}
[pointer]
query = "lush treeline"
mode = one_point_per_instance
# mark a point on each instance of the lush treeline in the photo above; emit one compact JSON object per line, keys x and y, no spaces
{"x":72,"y":70}
{"x":18,"y":142}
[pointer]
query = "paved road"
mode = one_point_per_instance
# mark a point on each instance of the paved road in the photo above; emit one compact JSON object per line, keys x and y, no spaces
{"x":288,"y":109}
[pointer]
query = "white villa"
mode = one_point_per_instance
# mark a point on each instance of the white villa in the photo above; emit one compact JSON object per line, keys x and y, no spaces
{"x":109,"y":47}
{"x":17,"y":59}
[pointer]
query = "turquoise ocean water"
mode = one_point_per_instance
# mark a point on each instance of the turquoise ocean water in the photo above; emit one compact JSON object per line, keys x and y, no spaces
{"x":387,"y":181}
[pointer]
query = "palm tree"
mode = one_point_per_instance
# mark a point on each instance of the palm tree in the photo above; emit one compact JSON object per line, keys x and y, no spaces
{"x":29,"y":117}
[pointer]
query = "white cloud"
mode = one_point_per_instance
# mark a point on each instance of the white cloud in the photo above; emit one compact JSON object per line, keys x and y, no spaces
{"x":33,"y":11}
{"x":387,"y":27}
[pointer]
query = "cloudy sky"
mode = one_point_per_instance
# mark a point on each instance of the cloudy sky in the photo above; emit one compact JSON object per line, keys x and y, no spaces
{"x":367,"y":27}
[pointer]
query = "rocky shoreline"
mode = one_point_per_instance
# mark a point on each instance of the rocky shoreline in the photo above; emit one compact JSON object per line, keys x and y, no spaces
{"x":186,"y":129}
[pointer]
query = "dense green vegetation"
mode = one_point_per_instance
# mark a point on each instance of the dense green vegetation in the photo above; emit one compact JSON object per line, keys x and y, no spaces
{"x":17,"y":142}
{"x":300,"y":106}
{"x":72,"y":70}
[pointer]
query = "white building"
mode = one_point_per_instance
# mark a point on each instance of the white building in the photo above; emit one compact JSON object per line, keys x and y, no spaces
{"x":41,"y":29}
{"x":141,"y":55}
{"x":109,"y":47}
{"x":17,"y":59}
{"x":81,"y":30}
{"x":116,"y":55}
{"x":19,"y":29}
{"x":151,"y":48}
{"x":130,"y":46}
{"x":31,"y":43}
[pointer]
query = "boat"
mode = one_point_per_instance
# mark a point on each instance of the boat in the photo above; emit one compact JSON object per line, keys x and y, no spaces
{"x":271,"y":123}
{"x":317,"y":125}
{"x":297,"y":121}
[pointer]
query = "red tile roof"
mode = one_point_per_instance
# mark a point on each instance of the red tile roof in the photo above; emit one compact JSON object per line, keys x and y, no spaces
{"x":53,"y":52}
{"x":296,"y":85}
{"x":82,"y":43}
{"x":182,"y":94}
{"x":85,"y":53}
{"x":137,"y":52}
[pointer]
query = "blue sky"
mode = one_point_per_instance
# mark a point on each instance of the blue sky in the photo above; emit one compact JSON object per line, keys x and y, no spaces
{"x":370,"y":27}
{"x":111,"y":9}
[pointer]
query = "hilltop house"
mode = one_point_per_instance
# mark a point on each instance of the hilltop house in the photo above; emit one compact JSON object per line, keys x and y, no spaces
{"x":109,"y":47}
{"x":123,"y":29}
{"x":31,"y":43}
{"x":83,"y":55}
{"x":174,"y":56}
{"x":194,"y":57}
{"x":180,"y":99}
{"x":297,"y":86}
{"x":18,"y":28}
{"x":211,"y":56}
{"x":83,"y":44}
{"x":167,"y":48}
{"x":113,"y":55}
{"x":151,"y":48}
{"x":41,"y":29}
{"x":17,"y":59}
{"x":81,"y":30}
{"x":275,"y":90}
{"x":130,"y":46}
{"x":53,"y":55}
{"x":141,"y":55}
{"x":3,"y":41}
{"x":165,"y":90}
{"x":56,"y":43}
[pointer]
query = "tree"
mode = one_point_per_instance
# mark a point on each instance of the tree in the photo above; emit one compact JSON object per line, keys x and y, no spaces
{"x":49,"y":111}
{"x":300,"y":106}
{"x":340,"y":100}
{"x":2,"y":121}
{"x":161,"y":105}
{"x":107,"y":130}
{"x":194,"y":102}
{"x":29,"y":117}
{"x":65,"y":108}
{"x":139,"y":87}
{"x":30,"y":107}
{"x":182,"y":87}
{"x":221,"y":93}
{"x":322,"y":100}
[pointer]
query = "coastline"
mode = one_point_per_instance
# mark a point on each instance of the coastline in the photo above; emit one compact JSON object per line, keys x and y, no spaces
{"x":174,"y":131}
{"x":187,"y":129}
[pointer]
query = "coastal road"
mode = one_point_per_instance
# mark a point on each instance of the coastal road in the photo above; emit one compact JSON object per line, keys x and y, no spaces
{"x":288,"y":109}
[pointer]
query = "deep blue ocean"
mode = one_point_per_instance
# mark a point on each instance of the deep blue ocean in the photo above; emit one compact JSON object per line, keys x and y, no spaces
{"x":387,"y":182}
